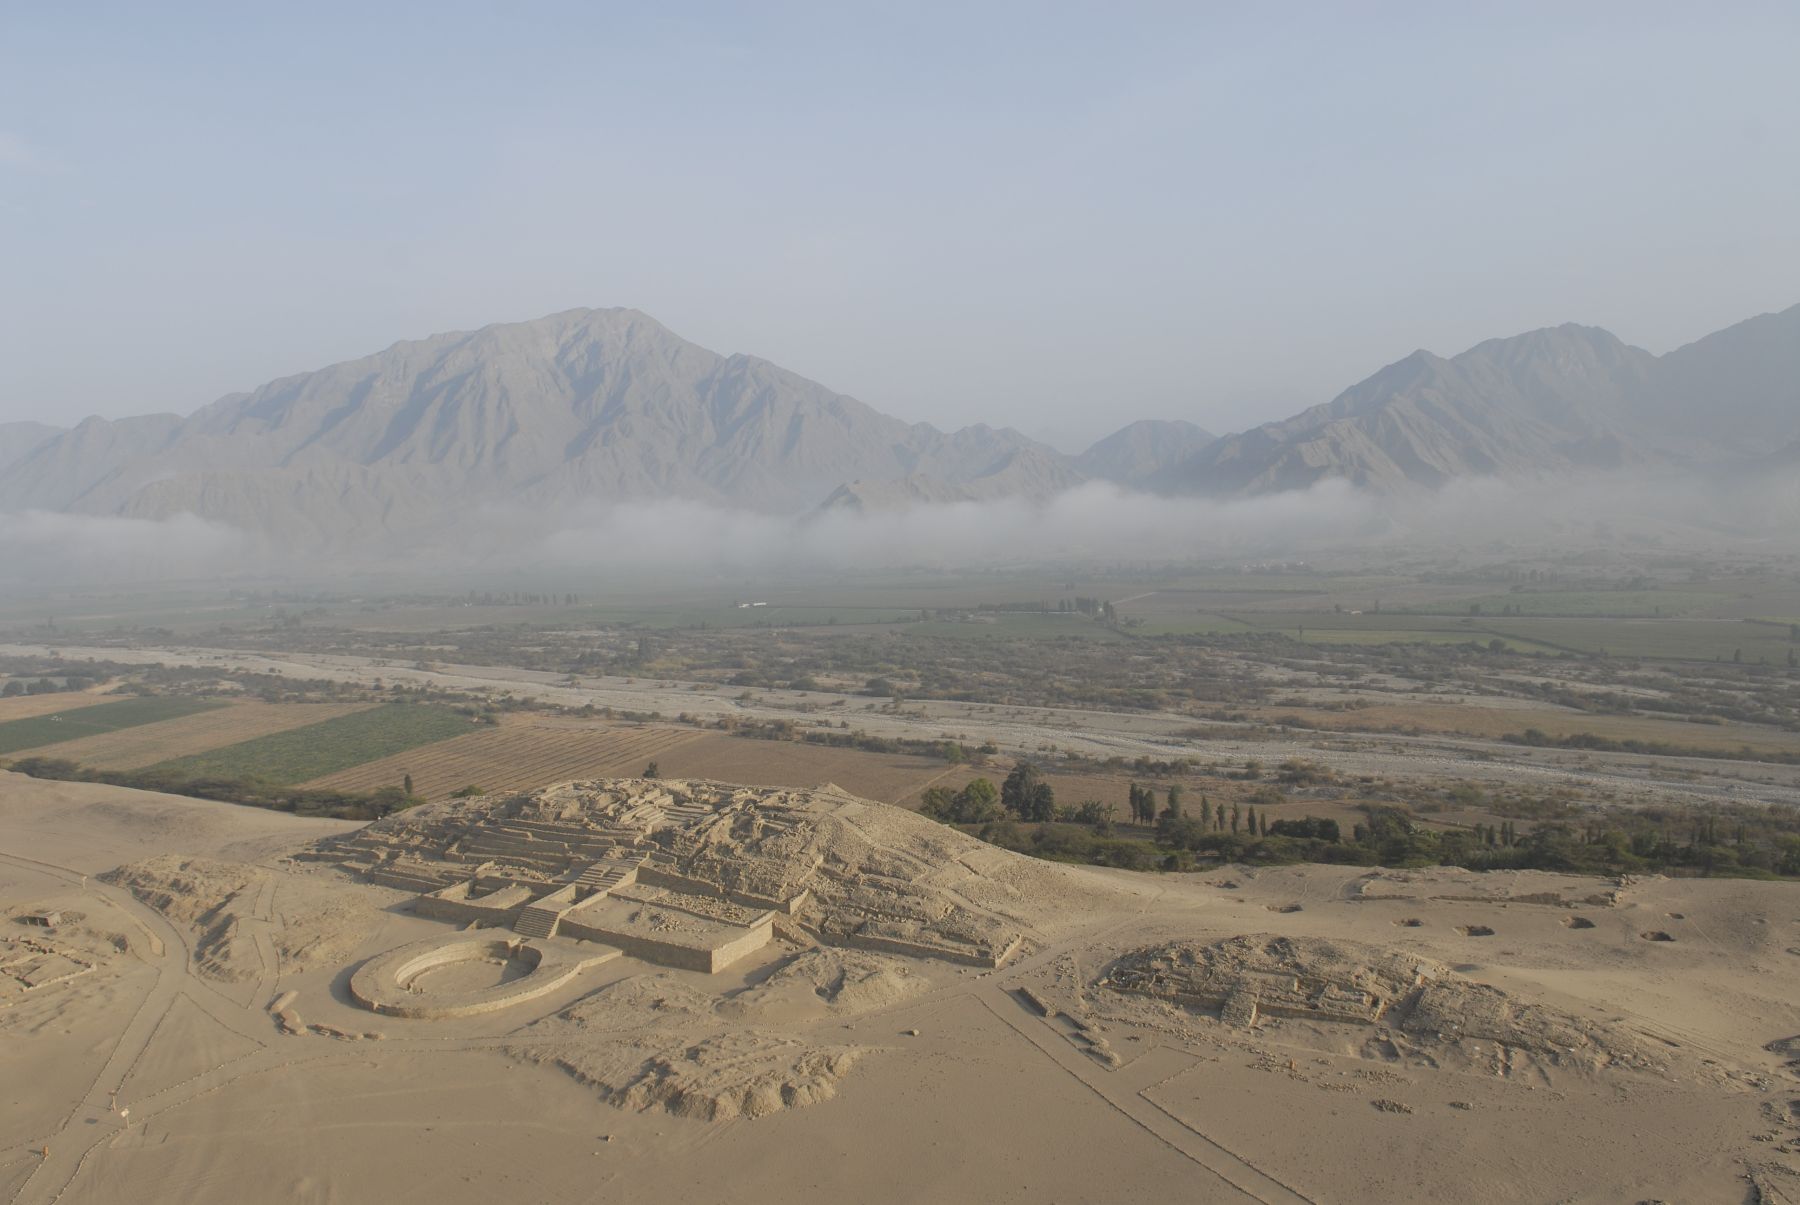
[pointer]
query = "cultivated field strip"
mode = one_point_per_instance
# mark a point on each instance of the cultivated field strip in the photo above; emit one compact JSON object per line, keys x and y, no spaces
{"x":1497,"y":718}
{"x":515,"y":756}
{"x":24,"y":707}
{"x":59,"y":728}
{"x":327,"y":746}
{"x":133,"y":748}
{"x":886,"y":777}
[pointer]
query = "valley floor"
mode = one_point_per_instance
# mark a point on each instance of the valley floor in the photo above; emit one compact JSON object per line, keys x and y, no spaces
{"x":1626,"y":778}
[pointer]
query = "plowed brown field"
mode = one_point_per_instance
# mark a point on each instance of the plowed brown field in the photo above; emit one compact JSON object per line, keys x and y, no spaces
{"x":524,"y":752}
{"x":24,"y":707}
{"x":518,"y":755}
{"x":887,"y":777}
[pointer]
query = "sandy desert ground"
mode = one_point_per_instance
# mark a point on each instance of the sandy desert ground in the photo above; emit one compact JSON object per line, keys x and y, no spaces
{"x":189,"y":1032}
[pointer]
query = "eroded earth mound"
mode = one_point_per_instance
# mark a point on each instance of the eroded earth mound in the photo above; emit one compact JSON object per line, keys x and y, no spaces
{"x":226,"y":904}
{"x":1415,"y":1003}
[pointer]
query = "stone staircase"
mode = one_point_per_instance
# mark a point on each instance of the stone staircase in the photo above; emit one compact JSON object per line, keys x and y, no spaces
{"x":686,"y":815}
{"x":603,"y":876}
{"x":538,"y":921}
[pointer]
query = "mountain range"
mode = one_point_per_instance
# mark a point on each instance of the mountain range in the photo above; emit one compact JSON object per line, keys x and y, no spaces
{"x":609,"y":406}
{"x":1555,"y":401}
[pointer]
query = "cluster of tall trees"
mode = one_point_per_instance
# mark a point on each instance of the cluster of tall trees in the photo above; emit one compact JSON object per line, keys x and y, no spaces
{"x":1759,"y":841}
{"x":43,"y":686}
{"x":1211,"y":818}
{"x":976,"y":803}
{"x":1026,"y":795}
{"x":1189,"y":832}
{"x":517,"y":598}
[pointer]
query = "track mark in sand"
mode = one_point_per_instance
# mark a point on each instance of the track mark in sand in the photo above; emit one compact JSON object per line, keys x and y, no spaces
{"x":261,"y":924}
{"x":921,"y":788}
{"x":92,"y":1111}
{"x":1247,"y":1180}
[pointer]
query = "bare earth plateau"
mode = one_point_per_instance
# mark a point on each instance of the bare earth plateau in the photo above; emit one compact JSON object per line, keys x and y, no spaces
{"x":875,"y":1007}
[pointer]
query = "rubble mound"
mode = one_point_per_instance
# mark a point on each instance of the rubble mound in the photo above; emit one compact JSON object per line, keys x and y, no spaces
{"x":845,"y":871}
{"x":1261,"y":975}
{"x":742,"y":1073}
{"x":654,"y":1042}
{"x":1412,"y":1002}
{"x":1458,"y":1013}
{"x":827,"y":982}
{"x":210,"y":898}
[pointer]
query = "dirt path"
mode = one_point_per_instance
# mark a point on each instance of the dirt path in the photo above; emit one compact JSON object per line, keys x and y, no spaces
{"x":92,"y":1121}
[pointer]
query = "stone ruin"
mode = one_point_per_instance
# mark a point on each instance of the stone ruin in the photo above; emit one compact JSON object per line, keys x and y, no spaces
{"x":1243,"y":980}
{"x":692,"y":875}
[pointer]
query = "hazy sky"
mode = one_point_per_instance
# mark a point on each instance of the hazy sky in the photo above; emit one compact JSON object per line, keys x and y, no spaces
{"x":1051,"y":216}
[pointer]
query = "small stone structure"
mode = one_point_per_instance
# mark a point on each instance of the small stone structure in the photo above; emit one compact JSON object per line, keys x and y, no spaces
{"x":470,"y":903}
{"x":43,"y":920}
{"x":30,"y":962}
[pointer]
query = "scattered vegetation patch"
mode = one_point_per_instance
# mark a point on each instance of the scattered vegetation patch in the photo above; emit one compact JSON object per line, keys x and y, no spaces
{"x":1537,"y":739}
{"x":340,"y":805}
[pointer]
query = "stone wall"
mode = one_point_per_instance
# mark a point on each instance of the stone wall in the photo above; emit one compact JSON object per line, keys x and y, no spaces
{"x":464,"y":904}
{"x":684,"y":956}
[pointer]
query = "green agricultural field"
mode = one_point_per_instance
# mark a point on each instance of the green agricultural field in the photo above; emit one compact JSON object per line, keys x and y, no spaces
{"x":1583,"y":603}
{"x":37,"y":731}
{"x":783,"y":615}
{"x":1674,"y":639}
{"x":1290,"y":622}
{"x":301,"y":754}
{"x":1366,"y":636}
{"x":1012,"y":624}
{"x":1201,"y":623}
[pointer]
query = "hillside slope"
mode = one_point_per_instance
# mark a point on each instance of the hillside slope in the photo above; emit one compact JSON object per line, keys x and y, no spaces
{"x":583,"y":406}
{"x":1549,"y":402}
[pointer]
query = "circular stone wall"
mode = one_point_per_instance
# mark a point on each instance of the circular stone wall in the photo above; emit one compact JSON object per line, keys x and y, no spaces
{"x":384,"y":983}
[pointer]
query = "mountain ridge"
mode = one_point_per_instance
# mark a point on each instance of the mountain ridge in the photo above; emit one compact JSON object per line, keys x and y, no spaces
{"x":1137,"y":452}
{"x":1559,"y":399}
{"x":582,"y":405}
{"x":609,"y":406}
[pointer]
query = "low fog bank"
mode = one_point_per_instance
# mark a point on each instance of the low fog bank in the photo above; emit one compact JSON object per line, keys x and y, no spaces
{"x":1095,"y":524}
{"x":1102,"y":524}
{"x":45,"y":548}
{"x":1091,"y":523}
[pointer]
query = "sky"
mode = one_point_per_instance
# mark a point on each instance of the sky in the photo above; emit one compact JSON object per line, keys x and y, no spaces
{"x":1056,"y":217}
